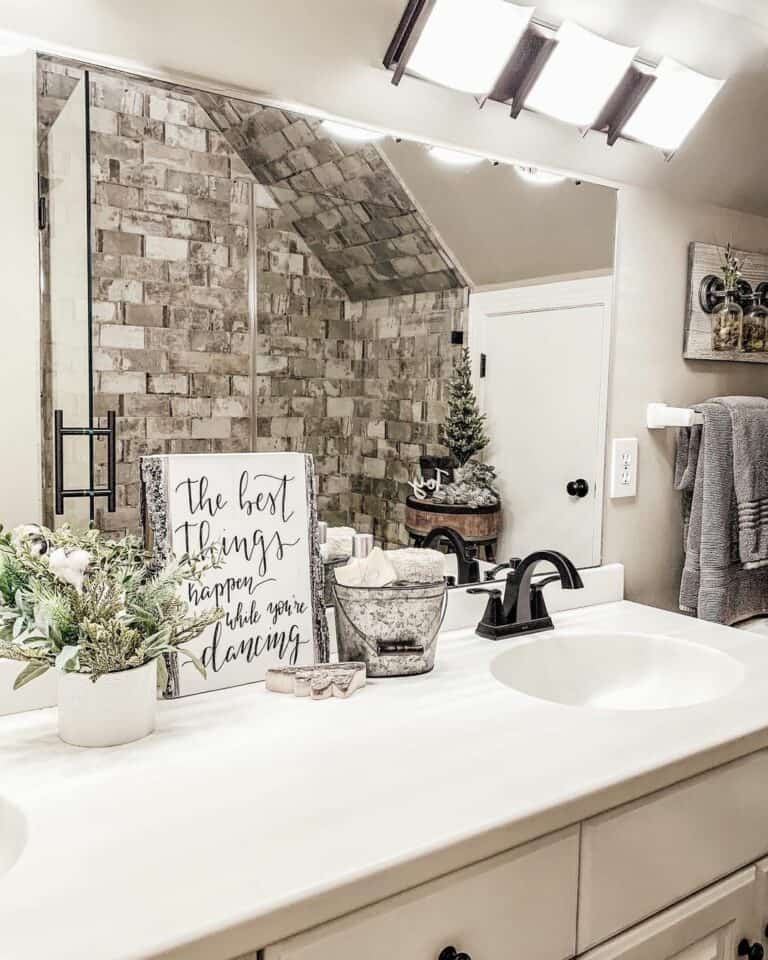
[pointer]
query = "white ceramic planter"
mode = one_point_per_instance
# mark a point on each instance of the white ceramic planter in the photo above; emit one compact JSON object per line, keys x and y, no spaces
{"x":117,"y":708}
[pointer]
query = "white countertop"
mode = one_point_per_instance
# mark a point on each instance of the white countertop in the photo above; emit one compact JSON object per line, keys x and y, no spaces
{"x":249,"y":816}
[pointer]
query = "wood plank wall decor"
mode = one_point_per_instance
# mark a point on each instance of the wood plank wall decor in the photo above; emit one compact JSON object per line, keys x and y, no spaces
{"x":705,"y":259}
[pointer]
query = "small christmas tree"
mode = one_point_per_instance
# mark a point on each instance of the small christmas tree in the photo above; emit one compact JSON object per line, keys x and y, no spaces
{"x":464,"y":430}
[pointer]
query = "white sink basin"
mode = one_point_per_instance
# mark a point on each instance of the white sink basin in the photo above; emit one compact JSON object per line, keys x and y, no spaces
{"x":623,"y":671}
{"x":13,"y":835}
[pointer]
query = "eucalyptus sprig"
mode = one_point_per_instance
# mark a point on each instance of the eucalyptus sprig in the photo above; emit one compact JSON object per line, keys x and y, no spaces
{"x":83,"y":603}
{"x":732,"y":267}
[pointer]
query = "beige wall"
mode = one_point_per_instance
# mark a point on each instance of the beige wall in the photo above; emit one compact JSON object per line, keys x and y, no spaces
{"x":502,"y":229}
{"x":20,"y":467}
{"x":653,"y":233}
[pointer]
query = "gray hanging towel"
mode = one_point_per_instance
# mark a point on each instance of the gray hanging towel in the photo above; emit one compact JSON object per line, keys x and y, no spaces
{"x":714,"y":585}
{"x":749,"y":420}
{"x":686,"y":460}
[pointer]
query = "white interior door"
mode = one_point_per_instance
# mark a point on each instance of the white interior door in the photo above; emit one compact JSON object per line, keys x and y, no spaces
{"x":544,"y":396}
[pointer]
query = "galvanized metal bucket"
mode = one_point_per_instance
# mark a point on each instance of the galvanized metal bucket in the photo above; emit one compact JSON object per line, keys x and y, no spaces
{"x":393,"y":629}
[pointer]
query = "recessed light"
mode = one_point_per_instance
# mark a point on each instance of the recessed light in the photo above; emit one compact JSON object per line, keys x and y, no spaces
{"x":672,"y":107}
{"x":345,"y":131}
{"x":465,"y":44}
{"x":539,"y":177}
{"x":455,"y":158}
{"x":579,"y":76}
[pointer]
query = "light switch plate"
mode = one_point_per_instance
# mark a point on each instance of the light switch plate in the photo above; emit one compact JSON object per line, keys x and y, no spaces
{"x":624,"y":468}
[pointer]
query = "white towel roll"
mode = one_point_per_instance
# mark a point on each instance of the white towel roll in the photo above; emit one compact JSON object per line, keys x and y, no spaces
{"x":416,"y":565}
{"x":375,"y":570}
{"x":338,"y":543}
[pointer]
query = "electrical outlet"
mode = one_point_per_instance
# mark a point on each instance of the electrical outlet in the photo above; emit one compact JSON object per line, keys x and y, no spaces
{"x":624,"y":468}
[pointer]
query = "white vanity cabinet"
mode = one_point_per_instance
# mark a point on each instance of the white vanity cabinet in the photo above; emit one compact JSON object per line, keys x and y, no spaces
{"x":707,"y":926}
{"x":761,"y":902}
{"x":644,"y":856}
{"x":675,"y":875}
{"x":471,"y":912}
{"x":519,"y":904}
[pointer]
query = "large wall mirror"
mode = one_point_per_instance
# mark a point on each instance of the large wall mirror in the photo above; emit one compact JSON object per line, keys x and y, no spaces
{"x":262,"y":279}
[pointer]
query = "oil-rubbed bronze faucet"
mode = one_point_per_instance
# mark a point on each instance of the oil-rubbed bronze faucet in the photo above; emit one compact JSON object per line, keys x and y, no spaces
{"x":466,"y":554}
{"x":523,"y":609}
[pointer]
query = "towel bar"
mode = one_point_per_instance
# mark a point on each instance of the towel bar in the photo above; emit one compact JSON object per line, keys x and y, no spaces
{"x":661,"y":415}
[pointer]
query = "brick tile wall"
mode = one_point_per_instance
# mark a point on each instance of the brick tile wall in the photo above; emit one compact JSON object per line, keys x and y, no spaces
{"x":343,"y":199}
{"x":172,"y":344}
{"x":405,"y":364}
{"x":361,"y":384}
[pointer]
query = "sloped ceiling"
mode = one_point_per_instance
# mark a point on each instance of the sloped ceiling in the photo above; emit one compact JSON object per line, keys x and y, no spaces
{"x":504,"y":229}
{"x":344,"y":199}
{"x":328,"y":56}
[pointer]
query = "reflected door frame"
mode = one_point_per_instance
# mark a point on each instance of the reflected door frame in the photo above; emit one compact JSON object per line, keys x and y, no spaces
{"x":539,"y":297}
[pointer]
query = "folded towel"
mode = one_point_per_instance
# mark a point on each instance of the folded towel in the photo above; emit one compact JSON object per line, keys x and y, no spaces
{"x":714,"y":585}
{"x":375,"y":570}
{"x":338,"y":543}
{"x":749,"y":421}
{"x":417,"y":565}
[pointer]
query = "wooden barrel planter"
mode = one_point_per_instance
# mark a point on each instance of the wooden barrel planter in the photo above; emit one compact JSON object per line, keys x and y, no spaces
{"x":478,"y":525}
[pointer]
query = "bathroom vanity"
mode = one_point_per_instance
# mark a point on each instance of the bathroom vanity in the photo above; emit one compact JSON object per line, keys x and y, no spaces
{"x":449,"y":810}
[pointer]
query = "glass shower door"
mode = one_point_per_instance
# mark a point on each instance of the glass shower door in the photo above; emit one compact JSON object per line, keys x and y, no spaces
{"x":69,"y":342}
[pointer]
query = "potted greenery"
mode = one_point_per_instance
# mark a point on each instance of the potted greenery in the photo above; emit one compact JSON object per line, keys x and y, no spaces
{"x":469,"y":503}
{"x":96,"y":611}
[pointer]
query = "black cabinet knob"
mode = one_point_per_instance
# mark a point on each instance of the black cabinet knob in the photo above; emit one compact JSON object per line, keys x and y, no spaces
{"x":752,"y":951}
{"x":577,"y":488}
{"x":450,"y":954}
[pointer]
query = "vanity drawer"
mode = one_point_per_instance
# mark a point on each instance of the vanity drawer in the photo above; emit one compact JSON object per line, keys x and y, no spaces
{"x":521,"y":903}
{"x":646,"y":855}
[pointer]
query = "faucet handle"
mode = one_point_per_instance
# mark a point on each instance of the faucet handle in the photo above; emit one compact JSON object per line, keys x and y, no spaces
{"x":494,"y":609}
{"x":553,"y":578}
{"x":538,"y":606}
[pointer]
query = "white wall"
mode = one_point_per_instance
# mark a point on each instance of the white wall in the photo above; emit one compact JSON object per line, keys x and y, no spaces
{"x":653,"y":233}
{"x":20,"y":454}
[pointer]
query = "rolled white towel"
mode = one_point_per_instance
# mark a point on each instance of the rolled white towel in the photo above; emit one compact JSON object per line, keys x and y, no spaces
{"x":416,"y":565}
{"x":339,"y":543}
{"x":375,"y":570}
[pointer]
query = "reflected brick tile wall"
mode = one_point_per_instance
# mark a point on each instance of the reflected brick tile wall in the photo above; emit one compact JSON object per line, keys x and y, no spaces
{"x":359,"y":383}
{"x":171,"y":334}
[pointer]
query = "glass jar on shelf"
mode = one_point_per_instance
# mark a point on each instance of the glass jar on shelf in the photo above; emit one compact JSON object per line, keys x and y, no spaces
{"x":755,"y":326}
{"x":727,"y":323}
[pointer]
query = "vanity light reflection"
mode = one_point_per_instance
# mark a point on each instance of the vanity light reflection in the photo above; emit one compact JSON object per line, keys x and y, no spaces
{"x":455,"y":158}
{"x":542,"y":178}
{"x":346,"y":131}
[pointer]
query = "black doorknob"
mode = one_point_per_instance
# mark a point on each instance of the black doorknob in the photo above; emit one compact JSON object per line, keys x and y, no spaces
{"x":752,"y":951}
{"x":577,"y":488}
{"x":450,"y":954}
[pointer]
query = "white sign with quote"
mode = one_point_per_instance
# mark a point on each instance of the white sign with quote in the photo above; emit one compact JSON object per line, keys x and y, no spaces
{"x":258,"y":511}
